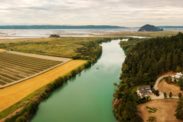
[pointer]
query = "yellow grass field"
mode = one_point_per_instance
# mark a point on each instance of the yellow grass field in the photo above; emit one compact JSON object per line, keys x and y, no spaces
{"x":1,"y":50}
{"x":13,"y":94}
{"x":165,"y":110}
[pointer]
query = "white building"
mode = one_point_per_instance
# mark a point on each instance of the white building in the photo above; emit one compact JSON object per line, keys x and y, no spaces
{"x":177,"y":76}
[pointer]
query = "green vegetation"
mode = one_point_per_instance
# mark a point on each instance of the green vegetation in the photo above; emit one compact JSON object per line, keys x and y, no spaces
{"x":127,"y":45}
{"x":21,"y":119}
{"x":170,"y":95}
{"x":151,"y":110}
{"x":145,"y":34}
{"x":165,"y":95}
{"x":180,"y":83}
{"x":143,"y":64}
{"x":152,"y":119}
{"x":180,"y":95}
{"x":179,"y":110}
{"x":59,"y":47}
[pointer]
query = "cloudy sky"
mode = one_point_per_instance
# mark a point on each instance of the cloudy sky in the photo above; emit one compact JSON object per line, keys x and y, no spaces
{"x":129,"y":13}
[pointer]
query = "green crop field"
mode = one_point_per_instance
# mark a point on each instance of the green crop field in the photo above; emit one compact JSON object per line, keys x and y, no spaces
{"x":16,"y":67}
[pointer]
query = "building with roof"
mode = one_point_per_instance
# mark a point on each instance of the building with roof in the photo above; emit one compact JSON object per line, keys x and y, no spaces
{"x":144,"y":91}
{"x":177,"y":76}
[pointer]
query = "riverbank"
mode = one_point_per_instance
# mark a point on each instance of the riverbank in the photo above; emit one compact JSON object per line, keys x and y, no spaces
{"x":13,"y":94}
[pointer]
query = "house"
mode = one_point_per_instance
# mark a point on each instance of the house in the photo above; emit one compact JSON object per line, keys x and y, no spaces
{"x":144,"y":91}
{"x":177,"y":76}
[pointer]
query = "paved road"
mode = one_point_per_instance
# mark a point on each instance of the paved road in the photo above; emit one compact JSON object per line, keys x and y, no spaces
{"x":161,"y":95}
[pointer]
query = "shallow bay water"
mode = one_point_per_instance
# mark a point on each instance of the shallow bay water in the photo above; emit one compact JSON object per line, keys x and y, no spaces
{"x":88,"y":96}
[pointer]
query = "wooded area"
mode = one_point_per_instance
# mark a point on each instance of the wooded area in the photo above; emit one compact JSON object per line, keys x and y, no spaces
{"x":145,"y":61}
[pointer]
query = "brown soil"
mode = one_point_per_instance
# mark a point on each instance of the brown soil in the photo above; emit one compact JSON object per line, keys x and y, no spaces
{"x":165,"y":110}
{"x":13,"y":94}
{"x":163,"y":86}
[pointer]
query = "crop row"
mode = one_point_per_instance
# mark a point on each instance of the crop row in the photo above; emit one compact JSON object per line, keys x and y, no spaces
{"x":16,"y":67}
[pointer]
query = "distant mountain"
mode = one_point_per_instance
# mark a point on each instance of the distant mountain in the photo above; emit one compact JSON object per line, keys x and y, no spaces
{"x":170,"y":26}
{"x":59,"y":27}
{"x":150,"y":28}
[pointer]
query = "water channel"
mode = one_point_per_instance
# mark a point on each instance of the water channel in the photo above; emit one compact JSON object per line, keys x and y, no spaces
{"x":88,"y":96}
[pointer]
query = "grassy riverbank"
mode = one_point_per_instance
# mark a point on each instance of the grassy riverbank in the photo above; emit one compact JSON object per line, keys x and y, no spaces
{"x":144,"y":34}
{"x":59,"y":47}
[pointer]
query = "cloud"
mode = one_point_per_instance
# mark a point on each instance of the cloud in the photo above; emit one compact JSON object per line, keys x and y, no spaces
{"x":83,"y":12}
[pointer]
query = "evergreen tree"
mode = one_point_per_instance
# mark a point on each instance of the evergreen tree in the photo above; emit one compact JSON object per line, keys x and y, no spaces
{"x":180,"y":82}
{"x":170,"y":95}
{"x":180,"y":95}
{"x":165,"y":96}
{"x":179,"y":110}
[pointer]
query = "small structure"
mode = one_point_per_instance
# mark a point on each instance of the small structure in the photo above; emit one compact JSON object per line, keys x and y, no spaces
{"x":54,"y":35}
{"x":144,"y":91}
{"x":177,"y":76}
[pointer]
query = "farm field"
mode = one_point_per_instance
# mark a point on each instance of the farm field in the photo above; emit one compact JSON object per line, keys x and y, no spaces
{"x":16,"y":68}
{"x":165,"y":110}
{"x":13,"y":94}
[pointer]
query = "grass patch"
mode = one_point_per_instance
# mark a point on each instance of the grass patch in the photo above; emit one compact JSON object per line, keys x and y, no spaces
{"x":145,"y":34}
{"x":151,"y":110}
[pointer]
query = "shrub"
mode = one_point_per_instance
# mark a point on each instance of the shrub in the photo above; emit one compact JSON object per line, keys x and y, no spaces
{"x":170,"y":95}
{"x":44,"y":95}
{"x":180,"y":95}
{"x":50,"y":87}
{"x":65,"y":78}
{"x":152,"y":119}
{"x":73,"y":73}
{"x":32,"y":107}
{"x":165,"y":96}
{"x":156,"y":92}
{"x":21,"y":119}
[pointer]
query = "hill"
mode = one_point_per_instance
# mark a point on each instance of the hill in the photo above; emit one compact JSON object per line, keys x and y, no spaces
{"x":150,"y":28}
{"x":58,"y":27}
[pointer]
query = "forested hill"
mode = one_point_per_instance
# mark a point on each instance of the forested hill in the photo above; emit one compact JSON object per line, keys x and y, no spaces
{"x":58,"y":27}
{"x":143,"y":64}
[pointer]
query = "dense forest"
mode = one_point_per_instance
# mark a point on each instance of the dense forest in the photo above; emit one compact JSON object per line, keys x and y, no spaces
{"x":145,"y":61}
{"x":127,"y":45}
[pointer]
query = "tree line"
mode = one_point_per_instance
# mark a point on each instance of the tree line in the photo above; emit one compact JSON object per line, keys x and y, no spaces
{"x":145,"y":61}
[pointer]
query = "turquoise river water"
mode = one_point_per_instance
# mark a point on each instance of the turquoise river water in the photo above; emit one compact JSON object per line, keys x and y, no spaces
{"x":88,"y":96}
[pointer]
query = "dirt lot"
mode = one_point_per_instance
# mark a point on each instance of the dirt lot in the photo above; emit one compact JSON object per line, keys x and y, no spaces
{"x":12,"y":94}
{"x":165,"y":110}
{"x":163,"y":86}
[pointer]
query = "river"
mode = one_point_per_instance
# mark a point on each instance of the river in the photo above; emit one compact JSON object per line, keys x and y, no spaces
{"x":88,"y":96}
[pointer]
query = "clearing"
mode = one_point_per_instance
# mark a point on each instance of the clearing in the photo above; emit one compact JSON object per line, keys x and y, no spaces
{"x":13,"y":94}
{"x":165,"y":110}
{"x":163,"y":86}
